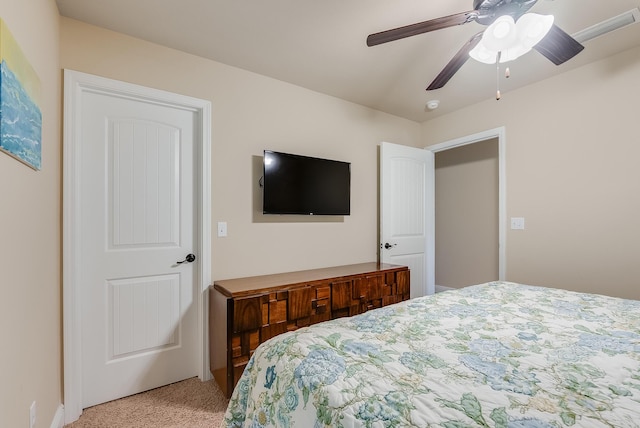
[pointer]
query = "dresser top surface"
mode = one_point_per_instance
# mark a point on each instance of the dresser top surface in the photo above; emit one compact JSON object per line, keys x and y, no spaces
{"x":244,"y":286}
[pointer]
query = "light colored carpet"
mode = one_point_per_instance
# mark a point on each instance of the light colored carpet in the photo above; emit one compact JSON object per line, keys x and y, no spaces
{"x":190,"y":403}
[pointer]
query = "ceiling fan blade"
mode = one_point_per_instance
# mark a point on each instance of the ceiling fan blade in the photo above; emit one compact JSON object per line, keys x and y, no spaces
{"x":558,"y":46}
{"x":456,"y":62}
{"x":421,"y":27}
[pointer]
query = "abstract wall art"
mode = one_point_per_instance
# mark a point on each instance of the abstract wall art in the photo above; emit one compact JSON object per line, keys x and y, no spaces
{"x":20,"y":114}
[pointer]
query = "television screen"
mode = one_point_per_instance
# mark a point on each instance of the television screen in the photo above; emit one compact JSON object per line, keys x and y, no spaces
{"x":294,"y":184}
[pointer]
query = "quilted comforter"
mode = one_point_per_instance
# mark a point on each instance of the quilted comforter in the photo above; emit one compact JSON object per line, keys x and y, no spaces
{"x":492,"y":355}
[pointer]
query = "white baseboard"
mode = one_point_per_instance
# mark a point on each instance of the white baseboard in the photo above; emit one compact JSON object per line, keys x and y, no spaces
{"x":58,"y":418}
{"x":440,"y":288}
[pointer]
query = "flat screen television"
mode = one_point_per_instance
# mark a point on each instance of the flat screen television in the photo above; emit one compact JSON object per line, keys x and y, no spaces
{"x":294,"y":184}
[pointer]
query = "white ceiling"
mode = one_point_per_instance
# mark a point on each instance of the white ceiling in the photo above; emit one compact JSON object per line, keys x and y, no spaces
{"x":320,"y":44}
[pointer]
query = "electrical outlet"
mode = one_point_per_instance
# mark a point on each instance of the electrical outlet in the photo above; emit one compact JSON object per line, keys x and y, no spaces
{"x":32,"y":415}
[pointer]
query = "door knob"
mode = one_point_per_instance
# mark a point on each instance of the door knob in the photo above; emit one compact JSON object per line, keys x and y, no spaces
{"x":389,"y":246}
{"x":190,"y":258}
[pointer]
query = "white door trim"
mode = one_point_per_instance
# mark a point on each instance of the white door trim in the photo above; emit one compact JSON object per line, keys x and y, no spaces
{"x":500,"y":134}
{"x":75,"y":84}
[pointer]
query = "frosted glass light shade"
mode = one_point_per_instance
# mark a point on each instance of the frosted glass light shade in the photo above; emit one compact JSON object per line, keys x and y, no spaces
{"x":501,"y":34}
{"x":482,"y":54}
{"x":513,"y":52}
{"x":532,"y":28}
{"x":486,"y":56}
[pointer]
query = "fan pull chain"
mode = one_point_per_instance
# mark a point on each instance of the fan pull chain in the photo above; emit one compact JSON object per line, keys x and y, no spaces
{"x":498,"y":96}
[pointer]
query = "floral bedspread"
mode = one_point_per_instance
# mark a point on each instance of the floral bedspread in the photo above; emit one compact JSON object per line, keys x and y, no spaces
{"x":492,"y":355}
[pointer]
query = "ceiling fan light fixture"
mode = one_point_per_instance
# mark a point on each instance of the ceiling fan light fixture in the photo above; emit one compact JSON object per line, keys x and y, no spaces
{"x":501,"y":34}
{"x":522,"y":37}
{"x":482,"y":54}
{"x":532,"y":28}
{"x":487,"y":56}
{"x":513,"y":52}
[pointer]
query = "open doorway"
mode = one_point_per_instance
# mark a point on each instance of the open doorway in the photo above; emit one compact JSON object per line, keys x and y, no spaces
{"x":470,"y":210}
{"x":466,"y":205}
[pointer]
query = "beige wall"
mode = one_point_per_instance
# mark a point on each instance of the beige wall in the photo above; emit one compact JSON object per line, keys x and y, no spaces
{"x":30,"y":270}
{"x":466,"y":183}
{"x":572,"y":153}
{"x":252,"y":113}
{"x":572,"y":171}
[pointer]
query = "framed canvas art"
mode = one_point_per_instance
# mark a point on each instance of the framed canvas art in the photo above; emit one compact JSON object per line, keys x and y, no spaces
{"x":20,"y":114}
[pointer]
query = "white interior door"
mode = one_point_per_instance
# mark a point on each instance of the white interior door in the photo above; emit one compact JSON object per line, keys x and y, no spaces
{"x":407,"y":215}
{"x":139,"y":326}
{"x":137,"y":199}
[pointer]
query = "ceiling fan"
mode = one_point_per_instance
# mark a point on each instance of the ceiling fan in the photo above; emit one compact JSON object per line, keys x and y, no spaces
{"x":556,"y":45}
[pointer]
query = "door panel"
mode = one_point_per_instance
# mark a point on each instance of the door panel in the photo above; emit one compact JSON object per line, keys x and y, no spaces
{"x":144,"y":175}
{"x":141,"y":315}
{"x":406,"y":213}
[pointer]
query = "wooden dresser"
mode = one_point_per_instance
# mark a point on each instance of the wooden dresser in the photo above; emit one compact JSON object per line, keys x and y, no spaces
{"x":257,"y":308}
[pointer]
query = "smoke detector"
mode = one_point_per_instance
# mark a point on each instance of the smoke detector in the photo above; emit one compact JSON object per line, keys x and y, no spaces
{"x":433,"y":104}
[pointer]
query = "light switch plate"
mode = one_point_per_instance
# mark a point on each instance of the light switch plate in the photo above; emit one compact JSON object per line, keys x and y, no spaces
{"x":222,"y":229}
{"x":517,"y":223}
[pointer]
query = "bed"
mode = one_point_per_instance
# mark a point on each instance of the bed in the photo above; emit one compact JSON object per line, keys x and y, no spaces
{"x":498,"y":355}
